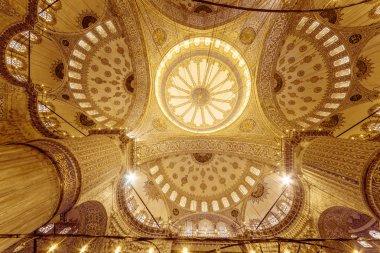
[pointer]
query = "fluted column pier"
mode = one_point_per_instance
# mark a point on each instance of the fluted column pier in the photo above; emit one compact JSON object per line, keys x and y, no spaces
{"x":343,"y":173}
{"x":43,"y":178}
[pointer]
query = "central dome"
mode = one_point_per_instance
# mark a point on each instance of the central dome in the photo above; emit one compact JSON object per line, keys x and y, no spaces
{"x":203,"y":85}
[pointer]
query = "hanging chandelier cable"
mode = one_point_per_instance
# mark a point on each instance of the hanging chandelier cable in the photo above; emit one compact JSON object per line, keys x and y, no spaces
{"x":207,"y":2}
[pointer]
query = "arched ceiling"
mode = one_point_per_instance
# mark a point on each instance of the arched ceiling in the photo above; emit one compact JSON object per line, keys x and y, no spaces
{"x":343,"y":222}
{"x":208,"y":194}
{"x":203,"y":85}
{"x":67,"y":63}
{"x":46,"y":60}
{"x":101,"y":85}
{"x":206,"y":93}
{"x":203,"y":16}
{"x":367,"y":63}
{"x":12,"y":12}
{"x":205,"y":181}
{"x":348,"y":17}
{"x":70,"y":17}
{"x":231,"y":51}
{"x":311,"y":77}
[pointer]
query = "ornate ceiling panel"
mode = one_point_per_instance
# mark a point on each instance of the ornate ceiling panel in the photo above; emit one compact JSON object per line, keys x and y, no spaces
{"x":368,"y":128}
{"x":70,"y":16}
{"x":55,"y":115}
{"x":46,"y":60}
{"x":204,"y":16}
{"x":213,"y":167}
{"x":366,"y":64}
{"x":101,"y":76}
{"x":205,"y":181}
{"x":203,"y":84}
{"x":349,"y":17}
{"x":266,"y":190}
{"x":311,"y":77}
{"x":294,"y":80}
{"x":258,"y":151}
{"x":208,"y":194}
{"x":12,"y":12}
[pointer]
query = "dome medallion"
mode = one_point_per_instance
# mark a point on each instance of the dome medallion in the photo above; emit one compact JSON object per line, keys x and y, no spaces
{"x":203,"y":85}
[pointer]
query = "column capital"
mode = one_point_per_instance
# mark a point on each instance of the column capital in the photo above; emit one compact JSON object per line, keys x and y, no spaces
{"x":292,"y":141}
{"x":120,"y":135}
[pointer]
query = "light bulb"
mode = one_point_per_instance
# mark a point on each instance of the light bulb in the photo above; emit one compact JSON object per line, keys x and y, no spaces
{"x":83,"y":249}
{"x":118,"y":249}
{"x":53,"y":247}
{"x":151,"y":250}
{"x":185,"y":250}
{"x":286,"y":179}
{"x":131,"y":177}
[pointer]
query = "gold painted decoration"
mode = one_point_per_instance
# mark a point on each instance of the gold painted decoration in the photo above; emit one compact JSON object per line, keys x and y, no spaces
{"x":159,"y":124}
{"x":68,"y":169}
{"x":205,"y":182}
{"x":363,"y":68}
{"x":84,"y":121}
{"x":247,"y":125}
{"x":204,"y":16}
{"x":3,"y":107}
{"x":255,"y":151}
{"x":101,"y":76}
{"x":247,"y":35}
{"x":309,"y":74}
{"x":202,"y":157}
{"x":203,"y":85}
{"x":159,"y":36}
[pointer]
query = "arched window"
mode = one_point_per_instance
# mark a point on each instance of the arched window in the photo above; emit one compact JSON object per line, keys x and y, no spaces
{"x":204,"y":206}
{"x":284,"y":207}
{"x":141,"y":217}
{"x":17,"y":46}
{"x":46,"y":16}
{"x":243,"y":190}
{"x":375,"y":234}
{"x":273,"y":220}
{"x":33,"y":37}
{"x":215,"y":205}
{"x":225,"y":202}
{"x":365,"y":244}
{"x":15,"y":62}
{"x":46,"y":228}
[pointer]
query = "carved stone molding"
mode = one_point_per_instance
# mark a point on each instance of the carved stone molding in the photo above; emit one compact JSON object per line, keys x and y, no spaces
{"x":256,"y":151}
{"x":372,"y":185}
{"x":293,"y":141}
{"x":67,"y":168}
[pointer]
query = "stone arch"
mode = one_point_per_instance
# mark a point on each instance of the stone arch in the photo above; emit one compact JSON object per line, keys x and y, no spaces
{"x":89,"y":218}
{"x":343,"y":222}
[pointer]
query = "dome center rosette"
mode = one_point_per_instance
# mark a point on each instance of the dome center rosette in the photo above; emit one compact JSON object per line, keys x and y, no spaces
{"x":203,"y":85}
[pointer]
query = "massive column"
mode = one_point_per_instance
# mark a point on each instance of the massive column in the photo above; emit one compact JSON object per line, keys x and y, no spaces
{"x":29,"y":190}
{"x":43,"y":178}
{"x":343,"y":172}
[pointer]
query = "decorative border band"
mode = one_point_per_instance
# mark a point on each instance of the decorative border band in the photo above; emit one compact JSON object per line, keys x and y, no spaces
{"x":68,"y":169}
{"x":372,"y":185}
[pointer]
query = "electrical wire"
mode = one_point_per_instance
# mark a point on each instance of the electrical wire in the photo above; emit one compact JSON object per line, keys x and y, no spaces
{"x":280,"y":10}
